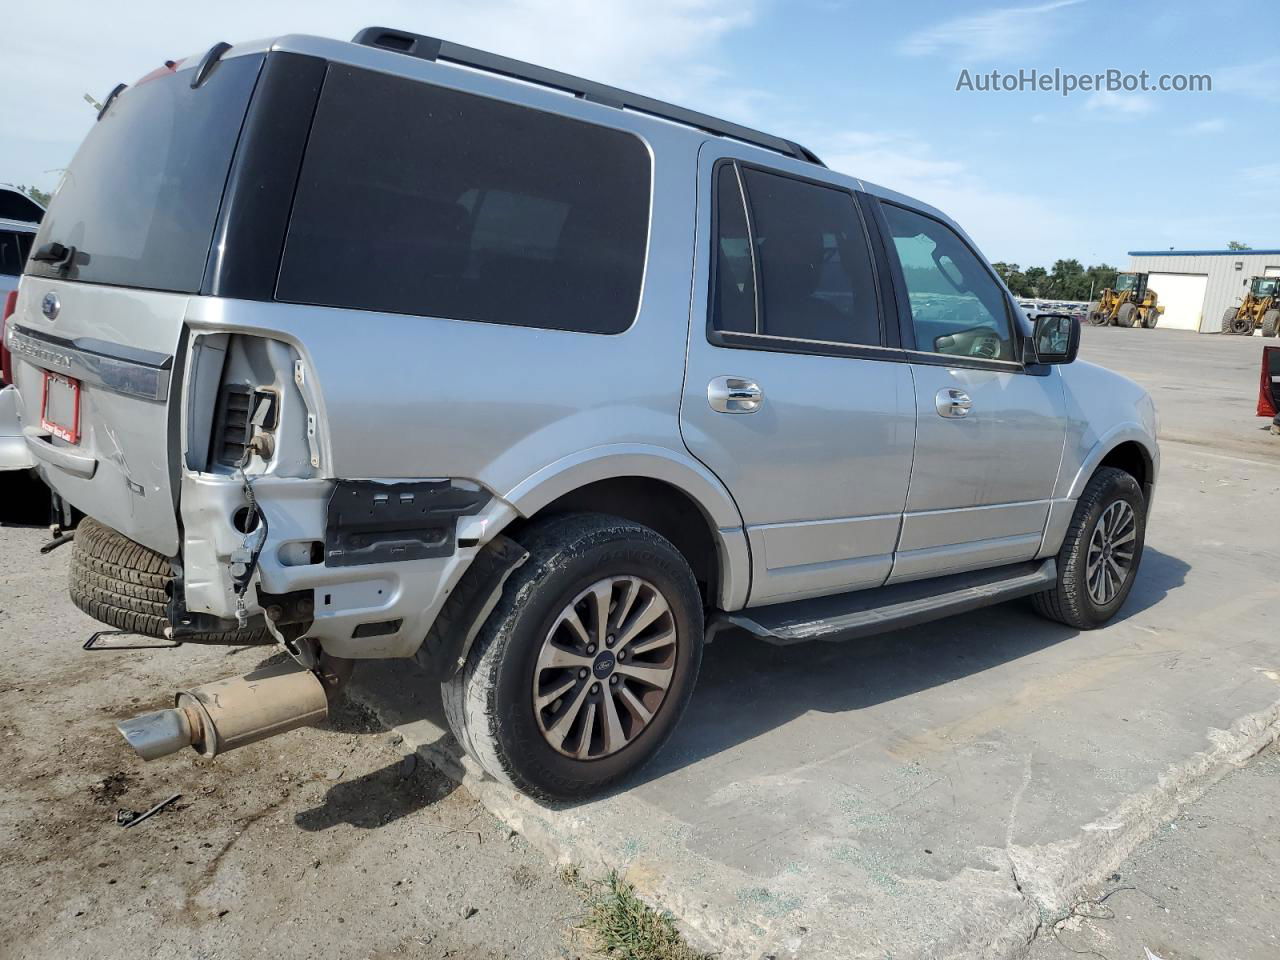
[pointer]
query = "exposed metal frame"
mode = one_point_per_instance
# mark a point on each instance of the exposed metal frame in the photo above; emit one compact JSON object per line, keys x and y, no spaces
{"x":435,"y":49}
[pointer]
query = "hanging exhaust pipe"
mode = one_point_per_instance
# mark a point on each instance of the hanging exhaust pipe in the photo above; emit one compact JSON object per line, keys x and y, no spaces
{"x":226,"y":714}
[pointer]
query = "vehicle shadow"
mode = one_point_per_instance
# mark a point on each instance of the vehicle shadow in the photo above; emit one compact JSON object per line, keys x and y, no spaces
{"x":24,"y":500}
{"x":747,"y":687}
{"x":382,"y":796}
{"x":377,"y":798}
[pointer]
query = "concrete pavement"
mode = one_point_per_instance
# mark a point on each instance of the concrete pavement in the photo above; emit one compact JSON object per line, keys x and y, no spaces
{"x":942,"y":791}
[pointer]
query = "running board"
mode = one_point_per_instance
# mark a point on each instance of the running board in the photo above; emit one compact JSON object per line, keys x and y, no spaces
{"x":861,"y":613}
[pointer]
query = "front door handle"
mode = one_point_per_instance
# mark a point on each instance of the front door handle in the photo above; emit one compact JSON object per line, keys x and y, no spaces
{"x":734,"y":395}
{"x":952,"y":403}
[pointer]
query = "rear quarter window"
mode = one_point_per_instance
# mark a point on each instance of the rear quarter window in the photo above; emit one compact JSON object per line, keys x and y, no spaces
{"x":420,"y":200}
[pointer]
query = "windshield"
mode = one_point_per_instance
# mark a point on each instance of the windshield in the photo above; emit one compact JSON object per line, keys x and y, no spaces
{"x":1265,"y":286}
{"x":140,"y":200}
{"x":1126,"y":281}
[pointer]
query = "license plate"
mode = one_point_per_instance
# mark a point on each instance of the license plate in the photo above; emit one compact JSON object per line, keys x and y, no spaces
{"x":60,"y":410}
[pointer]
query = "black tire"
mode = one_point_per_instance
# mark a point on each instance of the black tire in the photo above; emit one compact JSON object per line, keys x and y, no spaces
{"x":1095,"y":316}
{"x":1151,"y":318}
{"x":1128,"y":315}
{"x":489,"y":703}
{"x":1228,"y":320}
{"x":1069,"y":601}
{"x":127,"y":586}
{"x":1243,"y":326}
{"x":1271,"y":323}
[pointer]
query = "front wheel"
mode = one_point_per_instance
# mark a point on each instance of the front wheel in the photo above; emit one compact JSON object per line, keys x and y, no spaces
{"x":1128,"y":316}
{"x":1100,"y":555}
{"x":582,"y":670}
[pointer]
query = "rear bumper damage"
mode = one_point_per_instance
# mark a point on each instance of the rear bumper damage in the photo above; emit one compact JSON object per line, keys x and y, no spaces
{"x":362,"y":568}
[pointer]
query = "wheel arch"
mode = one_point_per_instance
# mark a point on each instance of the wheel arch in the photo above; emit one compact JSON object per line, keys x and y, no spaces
{"x":1128,"y":447}
{"x":673,"y":495}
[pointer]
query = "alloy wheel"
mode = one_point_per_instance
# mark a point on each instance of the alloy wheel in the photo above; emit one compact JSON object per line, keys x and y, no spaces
{"x":1109,"y":562}
{"x":604,"y":667}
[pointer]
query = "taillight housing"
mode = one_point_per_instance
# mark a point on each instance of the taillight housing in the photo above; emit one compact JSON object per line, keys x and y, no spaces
{"x":6,"y":361}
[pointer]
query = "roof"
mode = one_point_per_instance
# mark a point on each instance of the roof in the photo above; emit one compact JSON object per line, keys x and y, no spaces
{"x":1202,"y":253}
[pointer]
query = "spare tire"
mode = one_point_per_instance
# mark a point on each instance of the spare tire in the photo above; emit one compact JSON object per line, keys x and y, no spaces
{"x":127,"y":586}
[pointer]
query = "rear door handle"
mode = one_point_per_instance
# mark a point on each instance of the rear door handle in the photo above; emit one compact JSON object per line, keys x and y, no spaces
{"x":952,"y":403}
{"x":734,"y":395}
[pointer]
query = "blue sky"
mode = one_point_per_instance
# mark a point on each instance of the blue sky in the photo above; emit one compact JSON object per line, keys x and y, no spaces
{"x":870,"y":86}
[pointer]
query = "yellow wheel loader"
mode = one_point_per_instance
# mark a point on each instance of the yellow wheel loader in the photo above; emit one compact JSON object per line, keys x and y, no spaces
{"x":1131,"y":304}
{"x":1260,"y":308}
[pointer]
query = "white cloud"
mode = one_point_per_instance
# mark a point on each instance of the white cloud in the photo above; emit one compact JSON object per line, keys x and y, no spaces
{"x":1203,"y":128}
{"x":1111,"y":101}
{"x":1000,"y":33}
{"x":1257,"y":79}
{"x":54,"y":54}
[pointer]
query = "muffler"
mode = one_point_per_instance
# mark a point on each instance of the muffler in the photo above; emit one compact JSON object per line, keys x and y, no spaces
{"x":226,"y":714}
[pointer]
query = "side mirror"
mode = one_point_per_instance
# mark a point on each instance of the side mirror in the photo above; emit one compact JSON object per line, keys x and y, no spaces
{"x":1055,"y":339}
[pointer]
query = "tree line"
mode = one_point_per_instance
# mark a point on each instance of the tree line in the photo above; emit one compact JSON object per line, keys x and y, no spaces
{"x":1068,"y":280}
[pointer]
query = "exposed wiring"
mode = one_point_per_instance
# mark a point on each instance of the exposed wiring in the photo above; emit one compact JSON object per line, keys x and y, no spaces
{"x":241,"y":582}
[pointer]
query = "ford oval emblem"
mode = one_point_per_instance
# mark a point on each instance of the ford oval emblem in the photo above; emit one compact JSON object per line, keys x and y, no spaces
{"x":50,"y":305}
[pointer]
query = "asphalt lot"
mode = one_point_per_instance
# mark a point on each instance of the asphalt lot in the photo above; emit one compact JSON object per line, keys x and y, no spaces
{"x":948,"y":790}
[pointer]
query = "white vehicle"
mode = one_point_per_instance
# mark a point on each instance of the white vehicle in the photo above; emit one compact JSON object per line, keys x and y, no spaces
{"x":19,"y":221}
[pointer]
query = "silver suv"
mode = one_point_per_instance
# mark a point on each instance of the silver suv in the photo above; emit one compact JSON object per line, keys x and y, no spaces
{"x":396,"y":348}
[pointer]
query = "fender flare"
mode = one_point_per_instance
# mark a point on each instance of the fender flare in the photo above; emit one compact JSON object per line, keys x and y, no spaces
{"x":1120,"y":433}
{"x":683,"y":472}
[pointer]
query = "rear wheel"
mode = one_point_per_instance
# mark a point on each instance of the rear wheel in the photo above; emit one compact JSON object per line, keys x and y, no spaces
{"x":1151,"y":318}
{"x":1099,"y":557}
{"x":1271,"y":323}
{"x":582,"y":670}
{"x":1128,"y":315}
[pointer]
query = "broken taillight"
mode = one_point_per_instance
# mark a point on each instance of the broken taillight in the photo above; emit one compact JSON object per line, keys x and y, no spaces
{"x":6,"y":361}
{"x":1268,"y":389}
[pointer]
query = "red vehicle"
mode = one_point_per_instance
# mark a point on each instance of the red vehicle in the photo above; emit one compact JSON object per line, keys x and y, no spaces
{"x":1269,"y":387}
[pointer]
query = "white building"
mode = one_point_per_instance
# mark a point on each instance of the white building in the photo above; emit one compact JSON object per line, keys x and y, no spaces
{"x":1195,"y":287}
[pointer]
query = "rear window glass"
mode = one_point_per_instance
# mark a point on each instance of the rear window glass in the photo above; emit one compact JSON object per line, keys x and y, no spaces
{"x":420,"y":200}
{"x":140,"y":199}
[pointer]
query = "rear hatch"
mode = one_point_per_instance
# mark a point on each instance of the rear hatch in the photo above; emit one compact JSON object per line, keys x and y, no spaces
{"x":97,"y":339}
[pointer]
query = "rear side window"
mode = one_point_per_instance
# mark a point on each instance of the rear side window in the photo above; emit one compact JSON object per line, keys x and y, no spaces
{"x":14,"y":249}
{"x":804,"y":273}
{"x":420,"y":200}
{"x":140,"y":199}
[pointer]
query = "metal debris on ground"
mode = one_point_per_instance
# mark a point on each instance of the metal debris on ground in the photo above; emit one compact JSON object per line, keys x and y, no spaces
{"x":128,"y":818}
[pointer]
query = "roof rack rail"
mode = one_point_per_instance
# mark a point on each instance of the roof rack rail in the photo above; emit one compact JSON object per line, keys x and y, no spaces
{"x":432,"y":48}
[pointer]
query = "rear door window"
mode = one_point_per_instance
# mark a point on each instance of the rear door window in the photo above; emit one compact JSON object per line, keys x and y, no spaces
{"x":420,"y":200}
{"x":140,"y":199}
{"x":805,"y":271}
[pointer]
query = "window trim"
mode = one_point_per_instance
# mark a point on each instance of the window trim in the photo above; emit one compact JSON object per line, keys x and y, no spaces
{"x":906,"y":322}
{"x":773,"y":343}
